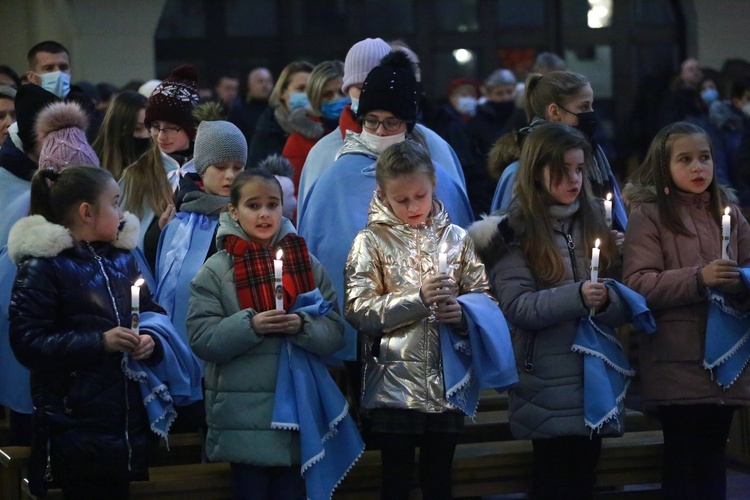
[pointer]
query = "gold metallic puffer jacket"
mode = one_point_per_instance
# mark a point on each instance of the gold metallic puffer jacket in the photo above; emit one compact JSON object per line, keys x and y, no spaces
{"x":384,"y":273}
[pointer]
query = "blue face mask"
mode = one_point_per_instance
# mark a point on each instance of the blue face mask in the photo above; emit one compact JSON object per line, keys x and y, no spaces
{"x":298,"y":100}
{"x":710,"y":95}
{"x":56,"y":82}
{"x":332,"y":109}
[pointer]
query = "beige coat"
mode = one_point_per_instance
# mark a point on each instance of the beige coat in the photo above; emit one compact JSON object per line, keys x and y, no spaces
{"x":384,"y":272}
{"x":663,"y":267}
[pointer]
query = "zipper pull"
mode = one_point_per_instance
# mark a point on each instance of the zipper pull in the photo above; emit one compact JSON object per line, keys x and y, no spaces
{"x":571,"y":244}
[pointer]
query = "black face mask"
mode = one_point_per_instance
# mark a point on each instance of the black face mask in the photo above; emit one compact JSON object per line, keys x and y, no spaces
{"x":587,"y":123}
{"x":141,"y":145}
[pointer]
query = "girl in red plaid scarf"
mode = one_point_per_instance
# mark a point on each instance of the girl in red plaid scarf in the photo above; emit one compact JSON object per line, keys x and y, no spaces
{"x":233,"y":325}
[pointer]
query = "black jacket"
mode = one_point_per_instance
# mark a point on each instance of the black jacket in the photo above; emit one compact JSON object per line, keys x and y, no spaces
{"x":66,"y":294}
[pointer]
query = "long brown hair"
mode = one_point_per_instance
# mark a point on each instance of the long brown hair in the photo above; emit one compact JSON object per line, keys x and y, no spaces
{"x":654,"y":171}
{"x":546,"y":145}
{"x":114,"y":145}
{"x":144,"y":184}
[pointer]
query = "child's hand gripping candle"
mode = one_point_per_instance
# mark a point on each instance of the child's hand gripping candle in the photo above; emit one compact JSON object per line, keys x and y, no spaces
{"x":278,"y":266}
{"x":595,"y":266}
{"x":726,"y":228}
{"x":608,"y":210}
{"x":135,"y":304}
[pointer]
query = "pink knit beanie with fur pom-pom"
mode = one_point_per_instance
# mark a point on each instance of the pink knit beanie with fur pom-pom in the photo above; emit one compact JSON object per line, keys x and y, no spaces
{"x":61,"y":130}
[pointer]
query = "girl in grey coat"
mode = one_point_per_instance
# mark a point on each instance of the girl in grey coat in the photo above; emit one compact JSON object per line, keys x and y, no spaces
{"x":537,"y":254}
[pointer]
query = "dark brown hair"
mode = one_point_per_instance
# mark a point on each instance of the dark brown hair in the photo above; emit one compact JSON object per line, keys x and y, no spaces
{"x":246,"y":176}
{"x":55,"y":195}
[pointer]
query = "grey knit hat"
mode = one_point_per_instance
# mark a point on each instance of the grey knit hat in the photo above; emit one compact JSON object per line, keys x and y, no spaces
{"x":217,"y":142}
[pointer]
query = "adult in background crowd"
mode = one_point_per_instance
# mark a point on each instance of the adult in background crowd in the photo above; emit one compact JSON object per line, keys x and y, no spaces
{"x":123,"y":137}
{"x":8,"y":76}
{"x":227,"y":88}
{"x":489,"y":121}
{"x":7,"y":110}
{"x":49,"y":67}
{"x":452,"y":125}
{"x":278,"y":120}
{"x":246,"y":112}
{"x":731,"y":118}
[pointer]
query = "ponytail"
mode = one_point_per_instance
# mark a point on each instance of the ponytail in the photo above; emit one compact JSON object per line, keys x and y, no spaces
{"x":54,"y":195}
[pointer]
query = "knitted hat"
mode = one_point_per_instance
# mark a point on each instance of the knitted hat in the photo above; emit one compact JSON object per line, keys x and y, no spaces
{"x":500,"y":77}
{"x":391,"y":86}
{"x":61,"y":130}
{"x":458,"y":82}
{"x":217,"y":142}
{"x":30,"y":100}
{"x":361,"y":58}
{"x":173,"y":99}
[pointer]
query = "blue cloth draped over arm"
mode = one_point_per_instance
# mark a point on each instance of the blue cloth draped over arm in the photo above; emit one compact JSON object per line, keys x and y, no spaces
{"x":174,"y":381}
{"x":481,"y":360}
{"x":727,"y":335}
{"x":307,"y":400}
{"x":606,"y":371}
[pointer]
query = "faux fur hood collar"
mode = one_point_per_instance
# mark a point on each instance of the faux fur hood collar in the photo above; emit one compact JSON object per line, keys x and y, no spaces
{"x":35,"y":236}
{"x":493,"y":237}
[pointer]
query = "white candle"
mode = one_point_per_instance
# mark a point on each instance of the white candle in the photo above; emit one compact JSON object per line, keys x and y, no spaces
{"x":278,"y":266}
{"x":443,"y":259}
{"x":135,"y":305}
{"x":726,"y":229}
{"x":595,"y":262}
{"x":608,"y":210}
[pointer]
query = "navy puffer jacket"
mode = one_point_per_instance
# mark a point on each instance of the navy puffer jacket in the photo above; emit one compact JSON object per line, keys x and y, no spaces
{"x":66,"y":294}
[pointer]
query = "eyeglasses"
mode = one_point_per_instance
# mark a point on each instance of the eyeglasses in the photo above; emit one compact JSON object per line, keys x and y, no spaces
{"x":390,"y":124}
{"x":168,"y":131}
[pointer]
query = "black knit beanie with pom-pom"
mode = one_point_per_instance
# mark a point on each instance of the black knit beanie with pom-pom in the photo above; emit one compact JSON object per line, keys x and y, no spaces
{"x":391,"y":86}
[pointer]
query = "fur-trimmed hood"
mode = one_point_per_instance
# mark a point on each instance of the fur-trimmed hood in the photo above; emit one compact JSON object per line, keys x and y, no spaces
{"x":636,"y":194}
{"x":35,"y":236}
{"x":494,"y":236}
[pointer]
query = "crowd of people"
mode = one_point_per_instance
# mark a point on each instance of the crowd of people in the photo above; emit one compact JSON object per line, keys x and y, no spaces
{"x":332,"y":257}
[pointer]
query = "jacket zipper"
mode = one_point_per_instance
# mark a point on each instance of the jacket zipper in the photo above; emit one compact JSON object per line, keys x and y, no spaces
{"x":125,"y":380}
{"x":529,"y":361}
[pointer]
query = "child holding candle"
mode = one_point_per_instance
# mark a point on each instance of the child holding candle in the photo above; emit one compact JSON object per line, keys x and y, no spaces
{"x":403,"y":275}
{"x":538,"y":253}
{"x":673,"y":257}
{"x":234,"y":326}
{"x":70,"y":320}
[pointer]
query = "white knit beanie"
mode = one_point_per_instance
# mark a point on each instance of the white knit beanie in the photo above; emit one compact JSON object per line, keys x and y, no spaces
{"x":361,"y":58}
{"x":218,"y":142}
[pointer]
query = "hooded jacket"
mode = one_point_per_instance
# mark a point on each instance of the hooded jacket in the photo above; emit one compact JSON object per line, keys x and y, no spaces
{"x":241,"y":366}
{"x":66,"y":294}
{"x":664,"y":267}
{"x":548,"y":400}
{"x":384,"y":272}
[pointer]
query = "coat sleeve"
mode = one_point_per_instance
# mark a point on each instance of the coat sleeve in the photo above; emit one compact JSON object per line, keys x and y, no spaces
{"x":473,"y":275}
{"x":367,"y":305}
{"x":323,"y":335}
{"x":216,"y":333}
{"x":644,"y":269}
{"x":527,"y":307}
{"x":37,"y":335}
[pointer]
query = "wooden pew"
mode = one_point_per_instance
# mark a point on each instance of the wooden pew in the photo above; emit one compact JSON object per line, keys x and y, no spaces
{"x":13,"y":461}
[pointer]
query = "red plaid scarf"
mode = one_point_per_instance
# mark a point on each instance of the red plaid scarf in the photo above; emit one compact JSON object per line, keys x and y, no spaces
{"x":254,"y":275}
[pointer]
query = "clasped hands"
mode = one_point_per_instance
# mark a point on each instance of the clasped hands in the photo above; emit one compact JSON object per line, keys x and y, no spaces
{"x":439,"y":291}
{"x":121,"y":339}
{"x":276,"y":322}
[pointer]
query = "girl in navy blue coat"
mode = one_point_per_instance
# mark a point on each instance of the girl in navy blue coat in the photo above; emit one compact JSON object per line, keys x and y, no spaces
{"x":70,"y":317}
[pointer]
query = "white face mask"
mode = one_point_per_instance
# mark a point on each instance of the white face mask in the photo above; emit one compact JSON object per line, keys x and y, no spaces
{"x":355,"y":105}
{"x":466,"y":105}
{"x":380,"y":144}
{"x":746,"y":109}
{"x":56,"y":82}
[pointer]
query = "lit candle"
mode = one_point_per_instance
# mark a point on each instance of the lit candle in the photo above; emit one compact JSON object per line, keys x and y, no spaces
{"x":278,"y":267}
{"x":443,"y":259}
{"x":608,"y":210}
{"x":135,"y":305}
{"x":595,"y":266}
{"x":726,"y":228}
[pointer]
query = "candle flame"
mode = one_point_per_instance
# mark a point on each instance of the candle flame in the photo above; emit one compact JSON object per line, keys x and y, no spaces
{"x":726,"y":211}
{"x":279,"y":254}
{"x":609,"y":196}
{"x":138,"y":282}
{"x":596,"y":243}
